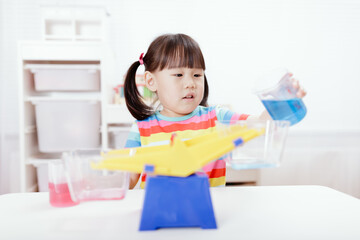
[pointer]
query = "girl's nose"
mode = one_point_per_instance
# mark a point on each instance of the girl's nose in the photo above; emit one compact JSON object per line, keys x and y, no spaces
{"x":189,"y":83}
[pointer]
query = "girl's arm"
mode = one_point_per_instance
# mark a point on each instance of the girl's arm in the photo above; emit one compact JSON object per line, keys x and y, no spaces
{"x":263,"y":116}
{"x":134,"y":178}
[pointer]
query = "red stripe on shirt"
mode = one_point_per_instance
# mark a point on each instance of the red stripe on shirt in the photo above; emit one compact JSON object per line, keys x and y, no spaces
{"x":146,"y":132}
{"x":143,"y":177}
{"x":215,"y":173}
{"x":243,"y":116}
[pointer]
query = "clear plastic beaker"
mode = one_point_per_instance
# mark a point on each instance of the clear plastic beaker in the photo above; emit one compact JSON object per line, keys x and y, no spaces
{"x":276,"y":91}
{"x":89,"y":184}
{"x":59,"y":194}
{"x":263,"y":151}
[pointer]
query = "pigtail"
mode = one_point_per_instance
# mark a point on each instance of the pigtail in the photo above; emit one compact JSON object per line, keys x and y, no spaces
{"x":206,"y":93}
{"x":134,"y":100}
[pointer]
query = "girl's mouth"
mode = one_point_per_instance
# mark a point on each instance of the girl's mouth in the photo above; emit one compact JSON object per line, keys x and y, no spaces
{"x":189,"y":96}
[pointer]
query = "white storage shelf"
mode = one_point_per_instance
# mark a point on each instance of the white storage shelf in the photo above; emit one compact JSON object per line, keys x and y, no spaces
{"x":118,"y":136}
{"x":118,"y":113}
{"x":53,"y":115}
{"x":65,"y":77}
{"x":67,"y":125}
{"x":74,"y":23}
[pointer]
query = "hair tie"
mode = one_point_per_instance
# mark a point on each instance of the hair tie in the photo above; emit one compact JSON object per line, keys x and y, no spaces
{"x":141,"y":61}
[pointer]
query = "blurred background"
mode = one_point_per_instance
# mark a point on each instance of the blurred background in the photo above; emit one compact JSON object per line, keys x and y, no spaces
{"x":316,"y":40}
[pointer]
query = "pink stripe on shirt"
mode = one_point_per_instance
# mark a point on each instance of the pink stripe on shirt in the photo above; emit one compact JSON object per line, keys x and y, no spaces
{"x":235,"y":117}
{"x":164,"y":123}
{"x":218,"y":164}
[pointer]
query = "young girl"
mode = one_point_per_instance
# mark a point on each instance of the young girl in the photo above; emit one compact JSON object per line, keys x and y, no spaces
{"x":174,"y":70}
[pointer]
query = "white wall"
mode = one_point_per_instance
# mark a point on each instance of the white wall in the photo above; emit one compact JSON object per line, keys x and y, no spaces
{"x":320,"y":159}
{"x":1,"y":99}
{"x":318,"y":40}
{"x":17,"y":19}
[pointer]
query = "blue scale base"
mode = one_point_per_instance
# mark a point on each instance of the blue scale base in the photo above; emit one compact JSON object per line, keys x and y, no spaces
{"x":172,"y":202}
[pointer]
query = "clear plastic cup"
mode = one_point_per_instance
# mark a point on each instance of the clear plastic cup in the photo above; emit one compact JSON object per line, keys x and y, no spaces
{"x":59,"y":193}
{"x":87,"y":184}
{"x":275,"y":90}
{"x":263,"y":151}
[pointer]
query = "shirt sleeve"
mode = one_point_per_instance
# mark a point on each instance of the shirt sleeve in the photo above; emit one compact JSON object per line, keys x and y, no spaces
{"x":133,"y":139}
{"x":224,"y":115}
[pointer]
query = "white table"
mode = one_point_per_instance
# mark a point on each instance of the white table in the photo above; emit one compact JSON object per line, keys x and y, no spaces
{"x":287,"y":212}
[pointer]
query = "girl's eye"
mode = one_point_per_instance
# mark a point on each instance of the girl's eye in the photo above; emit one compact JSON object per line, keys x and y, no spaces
{"x":178,"y":75}
{"x":197,"y":75}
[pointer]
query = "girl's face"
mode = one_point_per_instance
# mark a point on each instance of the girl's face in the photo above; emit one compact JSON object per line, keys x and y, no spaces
{"x":180,"y":90}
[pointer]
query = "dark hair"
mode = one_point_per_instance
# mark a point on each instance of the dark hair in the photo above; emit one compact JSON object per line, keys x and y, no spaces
{"x":166,"y":51}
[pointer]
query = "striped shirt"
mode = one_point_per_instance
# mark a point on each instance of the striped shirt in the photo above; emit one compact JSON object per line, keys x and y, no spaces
{"x":157,"y":130}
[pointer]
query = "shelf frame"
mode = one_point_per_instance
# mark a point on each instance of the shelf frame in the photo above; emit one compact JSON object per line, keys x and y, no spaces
{"x":56,"y":53}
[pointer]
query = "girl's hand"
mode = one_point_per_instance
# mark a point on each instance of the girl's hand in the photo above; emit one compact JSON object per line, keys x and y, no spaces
{"x":300,"y":90}
{"x":300,"y":94}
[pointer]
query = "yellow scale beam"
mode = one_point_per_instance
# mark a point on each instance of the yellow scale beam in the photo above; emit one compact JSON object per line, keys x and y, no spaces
{"x":179,"y":158}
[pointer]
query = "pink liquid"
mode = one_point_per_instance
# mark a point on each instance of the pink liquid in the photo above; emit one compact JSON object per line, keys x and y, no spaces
{"x":60,"y":195}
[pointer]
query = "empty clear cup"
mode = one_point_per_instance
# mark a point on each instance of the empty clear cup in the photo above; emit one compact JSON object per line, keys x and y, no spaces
{"x":263,"y":151}
{"x":59,"y":193}
{"x":277,"y":93}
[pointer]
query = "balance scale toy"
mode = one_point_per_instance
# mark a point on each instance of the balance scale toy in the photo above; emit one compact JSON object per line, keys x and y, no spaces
{"x":175,"y":194}
{"x":177,"y":202}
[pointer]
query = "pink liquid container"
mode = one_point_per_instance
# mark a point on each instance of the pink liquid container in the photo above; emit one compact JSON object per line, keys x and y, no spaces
{"x":87,"y":184}
{"x":59,"y":193}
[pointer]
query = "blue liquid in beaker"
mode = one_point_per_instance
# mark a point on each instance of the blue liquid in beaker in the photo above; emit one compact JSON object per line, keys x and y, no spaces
{"x":292,"y":110}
